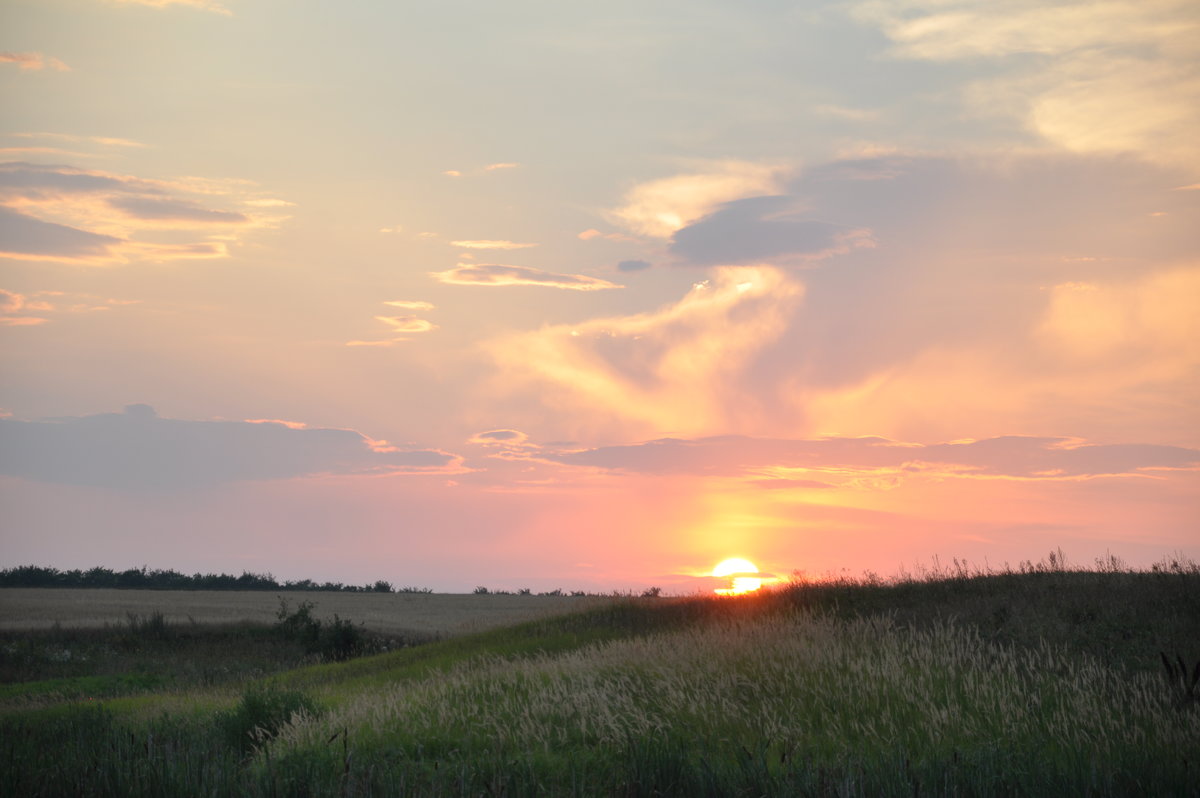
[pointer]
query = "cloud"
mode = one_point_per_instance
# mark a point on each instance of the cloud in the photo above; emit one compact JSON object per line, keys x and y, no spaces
{"x":176,"y":211}
{"x":659,"y":207}
{"x":633,"y":265}
{"x":499,"y":437}
{"x":497,"y":274}
{"x":591,"y":233}
{"x":33,"y":62}
{"x":10,"y":302}
{"x":492,"y":167}
{"x":490,"y":244}
{"x":384,"y":343}
{"x":105,"y":141}
{"x":841,"y":458}
{"x":400,"y":326}
{"x":947,"y":30}
{"x":677,"y":368}
{"x":410,"y":304}
{"x":24,"y":236}
{"x":137,"y":450}
{"x":1122,"y":76}
{"x":452,"y":173}
{"x":407,"y":324}
{"x":86,"y":216}
{"x":952,"y":324}
{"x":14,"y":305}
{"x":204,"y":5}
{"x":842,"y":112}
{"x":15,"y":308}
{"x":764,"y":229}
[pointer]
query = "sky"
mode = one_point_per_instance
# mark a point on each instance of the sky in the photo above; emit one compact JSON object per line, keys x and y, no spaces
{"x":559,"y":295}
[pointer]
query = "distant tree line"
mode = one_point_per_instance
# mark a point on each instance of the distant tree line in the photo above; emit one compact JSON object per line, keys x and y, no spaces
{"x":159,"y":579}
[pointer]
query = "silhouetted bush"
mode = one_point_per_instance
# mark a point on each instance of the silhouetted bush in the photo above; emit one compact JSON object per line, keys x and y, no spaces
{"x":338,"y":639}
{"x":261,"y":713}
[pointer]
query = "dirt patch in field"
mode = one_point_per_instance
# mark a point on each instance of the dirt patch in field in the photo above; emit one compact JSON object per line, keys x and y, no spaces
{"x":443,"y":614}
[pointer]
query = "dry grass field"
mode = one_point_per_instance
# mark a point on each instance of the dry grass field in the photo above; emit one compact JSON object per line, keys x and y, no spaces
{"x":442,"y":614}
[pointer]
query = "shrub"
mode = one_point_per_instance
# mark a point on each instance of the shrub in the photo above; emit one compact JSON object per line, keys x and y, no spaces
{"x":149,"y":627}
{"x":262,"y":712}
{"x":338,"y":639}
{"x":341,"y":640}
{"x":300,"y":625}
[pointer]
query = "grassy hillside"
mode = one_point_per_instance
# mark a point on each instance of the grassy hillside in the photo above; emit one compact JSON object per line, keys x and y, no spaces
{"x":1044,"y":682}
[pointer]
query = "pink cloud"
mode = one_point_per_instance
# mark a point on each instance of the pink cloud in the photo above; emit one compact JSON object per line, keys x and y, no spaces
{"x":490,"y":244}
{"x":499,"y":275}
{"x":839,"y":459}
{"x":33,"y":62}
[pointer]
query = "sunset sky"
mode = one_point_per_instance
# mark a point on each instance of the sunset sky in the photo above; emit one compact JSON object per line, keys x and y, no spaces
{"x":593,"y":296}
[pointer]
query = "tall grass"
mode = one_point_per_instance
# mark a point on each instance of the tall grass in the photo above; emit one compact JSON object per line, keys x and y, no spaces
{"x":805,"y":703}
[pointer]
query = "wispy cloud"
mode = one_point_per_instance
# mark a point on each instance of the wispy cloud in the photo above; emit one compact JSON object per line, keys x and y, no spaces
{"x":407,"y":324}
{"x":400,"y":326}
{"x":19,"y":310}
{"x":490,"y":244}
{"x":382,"y":343}
{"x":842,"y":112}
{"x":137,"y":450}
{"x":409,"y":304}
{"x":86,"y":216}
{"x":33,"y":62}
{"x":204,"y":5}
{"x":479,"y":171}
{"x":497,"y":274}
{"x":15,"y":309}
{"x":105,"y":141}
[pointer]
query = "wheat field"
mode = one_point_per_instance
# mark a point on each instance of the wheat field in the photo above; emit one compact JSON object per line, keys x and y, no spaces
{"x":440,"y":614}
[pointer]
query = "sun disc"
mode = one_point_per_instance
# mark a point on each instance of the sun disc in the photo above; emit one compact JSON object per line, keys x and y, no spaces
{"x":741,"y":576}
{"x":734,"y":565}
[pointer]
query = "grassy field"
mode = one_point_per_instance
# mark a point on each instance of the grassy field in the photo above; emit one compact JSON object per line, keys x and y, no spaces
{"x":1046,"y":682}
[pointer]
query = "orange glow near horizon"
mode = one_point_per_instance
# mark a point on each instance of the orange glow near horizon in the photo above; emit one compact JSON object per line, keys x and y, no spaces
{"x":741,"y":575}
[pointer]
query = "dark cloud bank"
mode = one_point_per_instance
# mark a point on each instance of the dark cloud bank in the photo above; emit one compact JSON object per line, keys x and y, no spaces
{"x":137,"y":450}
{"x":1005,"y":456}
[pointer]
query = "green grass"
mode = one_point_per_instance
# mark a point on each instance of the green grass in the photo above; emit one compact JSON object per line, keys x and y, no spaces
{"x":1042,"y":682}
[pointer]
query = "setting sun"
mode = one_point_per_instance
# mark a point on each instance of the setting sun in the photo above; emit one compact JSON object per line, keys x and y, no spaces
{"x":742,"y":576}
